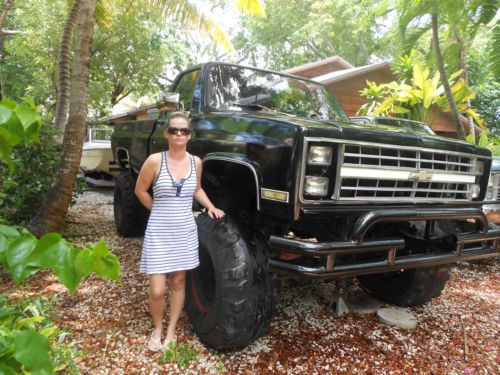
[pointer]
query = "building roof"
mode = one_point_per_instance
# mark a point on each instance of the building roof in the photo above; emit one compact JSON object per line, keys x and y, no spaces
{"x":349,"y":73}
{"x":316,"y":68}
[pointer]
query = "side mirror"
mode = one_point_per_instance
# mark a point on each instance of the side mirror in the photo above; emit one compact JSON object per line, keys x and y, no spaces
{"x":168,"y":101}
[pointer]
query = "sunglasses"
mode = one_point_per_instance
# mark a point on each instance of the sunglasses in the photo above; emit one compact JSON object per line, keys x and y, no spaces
{"x":182,"y":131}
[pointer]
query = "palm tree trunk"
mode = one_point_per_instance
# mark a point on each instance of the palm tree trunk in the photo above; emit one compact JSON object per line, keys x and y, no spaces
{"x":465,"y":75}
{"x":3,"y":15}
{"x":64,"y":65}
{"x":444,"y":77}
{"x":51,"y":215}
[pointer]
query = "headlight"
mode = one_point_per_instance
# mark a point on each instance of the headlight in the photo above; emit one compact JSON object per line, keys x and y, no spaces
{"x":316,"y":186}
{"x":320,"y":155}
{"x":476,"y":189}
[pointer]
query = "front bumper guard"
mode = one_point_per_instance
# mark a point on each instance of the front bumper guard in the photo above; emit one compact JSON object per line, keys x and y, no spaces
{"x":486,"y":245}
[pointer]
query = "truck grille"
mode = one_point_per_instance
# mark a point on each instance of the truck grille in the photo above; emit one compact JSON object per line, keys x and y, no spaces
{"x":493,"y":192}
{"x":374,"y":172}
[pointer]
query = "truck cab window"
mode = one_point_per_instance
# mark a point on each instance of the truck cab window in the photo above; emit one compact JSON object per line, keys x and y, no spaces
{"x":189,"y":90}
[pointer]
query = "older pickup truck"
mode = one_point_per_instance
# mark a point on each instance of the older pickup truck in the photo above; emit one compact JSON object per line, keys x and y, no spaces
{"x":308,"y":194}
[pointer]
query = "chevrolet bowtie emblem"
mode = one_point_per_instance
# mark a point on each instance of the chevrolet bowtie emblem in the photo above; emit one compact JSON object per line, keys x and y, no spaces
{"x":421,"y":176}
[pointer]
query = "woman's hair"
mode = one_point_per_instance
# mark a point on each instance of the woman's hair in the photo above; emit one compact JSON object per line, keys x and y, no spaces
{"x":178,"y":115}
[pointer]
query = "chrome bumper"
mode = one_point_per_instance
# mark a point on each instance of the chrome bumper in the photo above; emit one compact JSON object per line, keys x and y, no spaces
{"x":466,"y":246}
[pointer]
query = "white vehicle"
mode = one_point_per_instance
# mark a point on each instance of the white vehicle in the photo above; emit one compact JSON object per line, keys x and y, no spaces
{"x":97,"y":160}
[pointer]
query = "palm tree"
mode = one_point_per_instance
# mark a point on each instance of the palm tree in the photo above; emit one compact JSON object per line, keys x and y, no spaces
{"x":51,"y":215}
{"x":460,"y":19}
{"x":63,"y":66}
{"x":416,"y":11}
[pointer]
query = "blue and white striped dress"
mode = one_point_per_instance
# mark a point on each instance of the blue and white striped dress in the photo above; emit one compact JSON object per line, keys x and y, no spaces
{"x":171,"y":239}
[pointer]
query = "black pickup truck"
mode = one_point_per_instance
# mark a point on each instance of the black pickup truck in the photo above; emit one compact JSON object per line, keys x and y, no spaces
{"x":308,"y":194}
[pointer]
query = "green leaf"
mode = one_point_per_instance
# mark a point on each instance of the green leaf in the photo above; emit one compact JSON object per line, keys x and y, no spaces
{"x":8,"y":231}
{"x":33,"y":351}
{"x":3,"y":248}
{"x":400,"y":110}
{"x":418,"y":76}
{"x":7,"y":370}
{"x":27,"y":116}
{"x":16,"y":255}
{"x":29,"y":101}
{"x":108,"y":267}
{"x":29,"y":321}
{"x":11,"y":129}
{"x":84,"y":263}
{"x":428,"y":93}
{"x":65,"y":270}
{"x":50,"y":251}
{"x":483,"y":139}
{"x":455,"y":75}
{"x":101,"y":249}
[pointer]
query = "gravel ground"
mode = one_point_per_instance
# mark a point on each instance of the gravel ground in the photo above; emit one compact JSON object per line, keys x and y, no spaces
{"x":111,"y":323}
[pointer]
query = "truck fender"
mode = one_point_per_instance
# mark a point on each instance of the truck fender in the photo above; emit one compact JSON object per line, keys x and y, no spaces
{"x":252,"y":168}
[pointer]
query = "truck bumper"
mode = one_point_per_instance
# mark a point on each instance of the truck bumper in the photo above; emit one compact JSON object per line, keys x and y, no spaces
{"x":492,"y":212}
{"x":395,"y":254}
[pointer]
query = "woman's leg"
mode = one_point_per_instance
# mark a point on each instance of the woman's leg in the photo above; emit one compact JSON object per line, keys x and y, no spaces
{"x":157,"y":289}
{"x":177,"y":284}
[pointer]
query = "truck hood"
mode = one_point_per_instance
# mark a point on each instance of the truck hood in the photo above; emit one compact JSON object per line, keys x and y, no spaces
{"x":374,"y":133}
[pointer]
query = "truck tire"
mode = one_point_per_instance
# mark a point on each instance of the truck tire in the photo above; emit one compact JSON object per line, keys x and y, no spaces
{"x":230,"y":297}
{"x":407,"y":288}
{"x":131,"y":217}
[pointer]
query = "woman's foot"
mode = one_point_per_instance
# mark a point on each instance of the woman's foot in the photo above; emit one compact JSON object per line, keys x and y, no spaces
{"x":154,"y":343}
{"x":168,"y":341}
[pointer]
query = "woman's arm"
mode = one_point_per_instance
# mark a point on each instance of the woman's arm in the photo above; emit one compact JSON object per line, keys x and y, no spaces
{"x":146,"y":177}
{"x":201,"y":196}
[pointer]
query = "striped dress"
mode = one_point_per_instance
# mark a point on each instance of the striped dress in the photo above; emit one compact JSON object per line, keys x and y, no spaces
{"x":171,"y":239}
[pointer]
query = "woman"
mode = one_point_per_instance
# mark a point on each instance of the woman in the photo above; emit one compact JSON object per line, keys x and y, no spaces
{"x":171,"y":239}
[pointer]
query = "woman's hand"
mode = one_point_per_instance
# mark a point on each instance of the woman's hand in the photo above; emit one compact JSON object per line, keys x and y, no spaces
{"x":215,"y":213}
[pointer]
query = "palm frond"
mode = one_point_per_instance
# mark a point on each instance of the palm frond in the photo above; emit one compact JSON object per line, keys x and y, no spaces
{"x":487,"y":11}
{"x":412,"y":36}
{"x":190,"y":14}
{"x":251,"y":7}
{"x":102,"y":13}
{"x":495,"y":51}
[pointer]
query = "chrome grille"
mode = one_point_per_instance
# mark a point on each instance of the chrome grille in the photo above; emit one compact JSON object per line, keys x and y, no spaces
{"x":374,"y":172}
{"x":493,"y":192}
{"x":363,"y":155}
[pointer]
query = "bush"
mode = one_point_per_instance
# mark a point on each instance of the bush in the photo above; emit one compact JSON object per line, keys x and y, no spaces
{"x":23,"y":192}
{"x":30,"y":341}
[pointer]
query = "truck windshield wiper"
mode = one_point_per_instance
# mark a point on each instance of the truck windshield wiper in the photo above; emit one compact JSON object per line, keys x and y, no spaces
{"x":259,"y":107}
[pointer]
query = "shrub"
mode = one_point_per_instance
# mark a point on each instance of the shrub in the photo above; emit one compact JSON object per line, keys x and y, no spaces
{"x":23,"y":191}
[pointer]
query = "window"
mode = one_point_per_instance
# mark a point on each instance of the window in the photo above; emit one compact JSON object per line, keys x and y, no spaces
{"x":189,"y":90}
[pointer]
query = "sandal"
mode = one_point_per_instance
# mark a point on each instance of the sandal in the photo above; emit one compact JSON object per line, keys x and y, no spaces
{"x":154,"y":345}
{"x":167,"y":342}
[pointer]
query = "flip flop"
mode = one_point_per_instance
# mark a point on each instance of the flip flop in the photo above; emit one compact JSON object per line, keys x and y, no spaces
{"x":166,"y":343}
{"x":154,"y":345}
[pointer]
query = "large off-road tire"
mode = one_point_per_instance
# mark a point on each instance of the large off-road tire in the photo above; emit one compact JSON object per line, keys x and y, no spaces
{"x":230,"y":297}
{"x":131,"y":217}
{"x":409,"y":287}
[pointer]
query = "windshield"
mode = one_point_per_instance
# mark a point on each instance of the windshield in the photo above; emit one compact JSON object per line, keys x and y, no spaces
{"x":99,"y":135}
{"x":233,"y":88}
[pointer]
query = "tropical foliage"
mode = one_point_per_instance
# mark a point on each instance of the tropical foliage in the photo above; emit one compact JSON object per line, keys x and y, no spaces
{"x":30,"y":342}
{"x":421,"y":98}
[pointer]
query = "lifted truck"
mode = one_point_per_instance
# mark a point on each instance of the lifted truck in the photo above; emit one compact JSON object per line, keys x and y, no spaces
{"x":308,"y":194}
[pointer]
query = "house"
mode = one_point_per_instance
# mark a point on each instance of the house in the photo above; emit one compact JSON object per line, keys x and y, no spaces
{"x":345,"y":81}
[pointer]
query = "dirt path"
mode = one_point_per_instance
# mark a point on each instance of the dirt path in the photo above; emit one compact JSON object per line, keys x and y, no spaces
{"x":111,"y":323}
